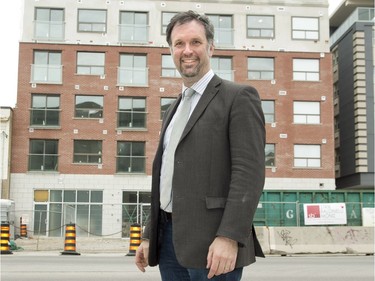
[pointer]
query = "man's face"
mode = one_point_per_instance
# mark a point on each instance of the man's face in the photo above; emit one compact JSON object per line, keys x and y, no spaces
{"x":190,"y":51}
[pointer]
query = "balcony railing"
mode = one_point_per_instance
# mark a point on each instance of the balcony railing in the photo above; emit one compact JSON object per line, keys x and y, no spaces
{"x":359,"y":15}
{"x":46,"y":73}
{"x":132,"y":76}
{"x":224,"y":37}
{"x":133,"y":33}
{"x":49,"y":30}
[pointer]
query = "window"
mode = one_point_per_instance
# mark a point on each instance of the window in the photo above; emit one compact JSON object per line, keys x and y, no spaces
{"x":260,"y":27}
{"x":165,"y":19}
{"x":133,"y":70}
{"x":81,"y":206}
{"x":134,"y":27}
{"x":165,"y":103}
{"x":306,"y":112}
{"x":306,"y":69}
{"x":223,"y":30}
{"x":45,"y":110}
{"x":305,"y":28}
{"x":49,"y":24}
{"x":135,"y":205}
{"x":222,"y":67}
{"x":47,"y":67}
{"x":270,"y":155}
{"x":43,"y":155}
{"x":260,"y":68}
{"x":88,"y":107}
{"x":131,"y":157}
{"x":132,"y":113}
{"x":168,"y":69}
{"x":307,"y":156}
{"x":90,"y":63}
{"x":268,"y":107}
{"x":92,"y":20}
{"x":87,"y":151}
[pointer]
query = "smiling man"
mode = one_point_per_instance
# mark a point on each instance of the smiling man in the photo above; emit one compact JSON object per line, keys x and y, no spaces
{"x":208,"y":171}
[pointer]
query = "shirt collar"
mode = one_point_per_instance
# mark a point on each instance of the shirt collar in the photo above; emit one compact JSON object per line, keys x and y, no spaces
{"x":200,"y":86}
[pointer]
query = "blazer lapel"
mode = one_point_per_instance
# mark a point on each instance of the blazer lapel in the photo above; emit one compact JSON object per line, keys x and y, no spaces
{"x":207,"y":96}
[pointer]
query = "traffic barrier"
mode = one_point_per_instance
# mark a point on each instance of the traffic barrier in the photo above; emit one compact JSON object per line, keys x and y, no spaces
{"x":23,"y":229}
{"x":135,"y":238}
{"x":70,"y":240}
{"x":5,"y":239}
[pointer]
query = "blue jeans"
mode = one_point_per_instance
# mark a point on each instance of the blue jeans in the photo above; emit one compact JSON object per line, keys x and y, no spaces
{"x":171,"y":270}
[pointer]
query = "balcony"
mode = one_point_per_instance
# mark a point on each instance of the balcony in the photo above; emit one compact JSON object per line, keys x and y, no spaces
{"x":49,"y":30}
{"x":359,"y":15}
{"x":133,"y":34}
{"x":46,"y":74}
{"x":224,"y":37}
{"x":132,"y":76}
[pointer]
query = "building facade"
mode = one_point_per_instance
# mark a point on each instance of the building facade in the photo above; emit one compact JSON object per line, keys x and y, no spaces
{"x":6,"y":117}
{"x":96,"y":76}
{"x":352,"y":45}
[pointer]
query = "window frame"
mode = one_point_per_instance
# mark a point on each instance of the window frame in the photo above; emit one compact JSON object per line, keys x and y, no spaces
{"x":261,"y":71}
{"x":269,"y":158}
{"x":91,"y":23}
{"x":87,"y":110}
{"x":302,"y":69}
{"x":248,"y":28}
{"x":129,"y":158}
{"x":305,"y":30}
{"x":305,"y":116}
{"x":44,"y":155}
{"x":306,"y":156}
{"x":46,"y":110}
{"x":133,"y":70}
{"x":167,"y":66}
{"x":134,"y":28}
{"x":87,"y":155}
{"x":49,"y":25}
{"x":266,"y":113}
{"x":132,"y":113}
{"x":222,"y":71}
{"x":50,"y":70}
{"x":220,"y":32}
{"x":165,"y":21}
{"x":100,"y":65}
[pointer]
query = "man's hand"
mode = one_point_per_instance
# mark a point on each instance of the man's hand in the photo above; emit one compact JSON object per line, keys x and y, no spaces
{"x":222,"y":256}
{"x":141,"y":256}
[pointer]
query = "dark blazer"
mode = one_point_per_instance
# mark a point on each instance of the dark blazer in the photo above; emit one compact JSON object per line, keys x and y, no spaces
{"x":218,"y":176}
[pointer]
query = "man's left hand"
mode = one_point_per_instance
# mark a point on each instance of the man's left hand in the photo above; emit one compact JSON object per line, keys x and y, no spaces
{"x":222,"y":256}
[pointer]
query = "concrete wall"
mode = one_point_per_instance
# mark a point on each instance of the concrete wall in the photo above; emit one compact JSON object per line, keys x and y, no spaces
{"x":316,"y":240}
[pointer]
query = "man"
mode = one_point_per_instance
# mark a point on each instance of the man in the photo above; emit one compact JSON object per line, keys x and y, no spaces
{"x":202,"y":208}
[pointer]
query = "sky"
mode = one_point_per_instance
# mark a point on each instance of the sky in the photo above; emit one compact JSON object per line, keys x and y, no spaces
{"x":10,"y":19}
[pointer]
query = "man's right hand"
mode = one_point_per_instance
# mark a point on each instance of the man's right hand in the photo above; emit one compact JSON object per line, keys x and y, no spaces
{"x":141,"y":255}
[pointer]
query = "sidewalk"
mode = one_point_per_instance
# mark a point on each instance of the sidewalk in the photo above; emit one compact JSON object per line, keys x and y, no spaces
{"x":83,"y":244}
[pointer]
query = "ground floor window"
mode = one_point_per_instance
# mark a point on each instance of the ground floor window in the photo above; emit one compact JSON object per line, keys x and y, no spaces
{"x":53,"y":209}
{"x":135,"y":209}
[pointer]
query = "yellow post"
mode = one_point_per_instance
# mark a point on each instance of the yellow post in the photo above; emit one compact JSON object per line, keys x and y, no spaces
{"x":135,"y":238}
{"x":70,"y":240}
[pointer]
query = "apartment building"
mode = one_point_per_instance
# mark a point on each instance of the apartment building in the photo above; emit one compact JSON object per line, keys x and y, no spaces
{"x":96,"y":76}
{"x":352,"y":45}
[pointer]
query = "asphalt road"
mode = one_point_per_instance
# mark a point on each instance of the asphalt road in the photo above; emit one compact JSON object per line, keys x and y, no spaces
{"x":40,"y":266}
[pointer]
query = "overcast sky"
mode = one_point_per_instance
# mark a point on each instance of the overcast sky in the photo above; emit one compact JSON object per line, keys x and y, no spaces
{"x":10,"y":20}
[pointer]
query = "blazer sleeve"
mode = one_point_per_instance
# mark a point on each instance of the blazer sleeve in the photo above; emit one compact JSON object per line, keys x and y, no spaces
{"x":247,"y":143}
